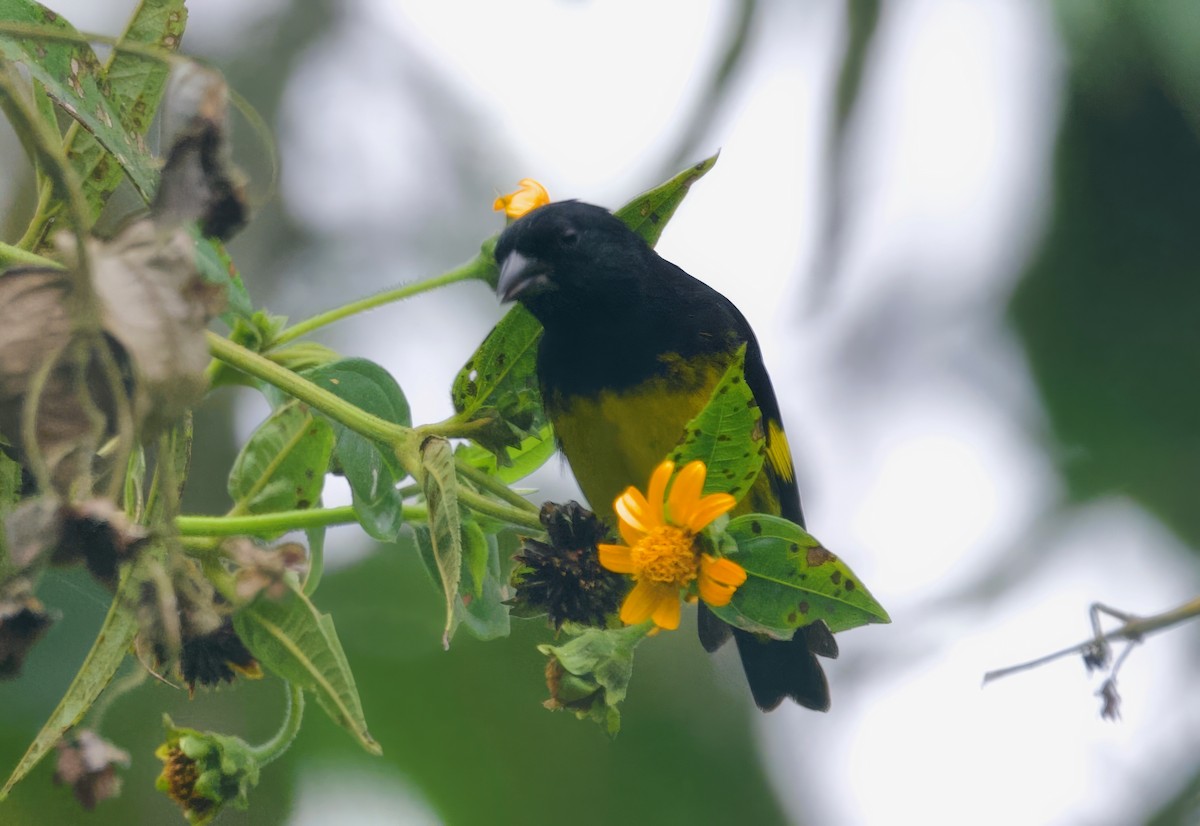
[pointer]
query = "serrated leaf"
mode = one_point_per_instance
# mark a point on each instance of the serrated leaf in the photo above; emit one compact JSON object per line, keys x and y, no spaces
{"x":445,"y":522}
{"x":481,"y":605}
{"x":282,"y":466}
{"x":74,"y":78}
{"x":295,"y":641}
{"x":727,"y":435}
{"x":648,"y":213}
{"x":371,"y":470}
{"x":792,"y":581}
{"x":486,"y":617}
{"x":499,"y":384}
{"x":533,"y":452}
{"x":136,"y":84}
{"x":103,"y":660}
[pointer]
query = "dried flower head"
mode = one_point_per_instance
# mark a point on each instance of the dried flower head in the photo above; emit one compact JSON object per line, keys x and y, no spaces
{"x":564,"y":579}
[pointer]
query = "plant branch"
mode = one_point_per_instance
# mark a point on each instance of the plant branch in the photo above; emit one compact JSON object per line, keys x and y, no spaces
{"x":479,"y":503}
{"x":268,"y":524}
{"x":1134,"y":630}
{"x":493,"y":485}
{"x":366,"y":424}
{"x":480,"y":267}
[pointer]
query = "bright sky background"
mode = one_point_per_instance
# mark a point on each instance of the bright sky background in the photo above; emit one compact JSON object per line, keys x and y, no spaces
{"x":920,"y":461}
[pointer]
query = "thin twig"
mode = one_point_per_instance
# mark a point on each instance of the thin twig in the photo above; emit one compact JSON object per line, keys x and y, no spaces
{"x":1134,"y":630}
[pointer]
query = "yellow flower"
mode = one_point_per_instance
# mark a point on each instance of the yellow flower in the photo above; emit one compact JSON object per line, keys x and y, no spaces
{"x":660,"y":549}
{"x":529,"y":197}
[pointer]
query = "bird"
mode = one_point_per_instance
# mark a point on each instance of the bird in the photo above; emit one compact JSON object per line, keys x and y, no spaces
{"x":631,"y":349}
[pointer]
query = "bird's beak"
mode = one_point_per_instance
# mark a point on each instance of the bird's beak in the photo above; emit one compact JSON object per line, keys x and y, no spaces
{"x":520,"y":275}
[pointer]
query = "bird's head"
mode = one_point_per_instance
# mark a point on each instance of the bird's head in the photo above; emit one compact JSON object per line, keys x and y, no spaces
{"x":564,"y":256}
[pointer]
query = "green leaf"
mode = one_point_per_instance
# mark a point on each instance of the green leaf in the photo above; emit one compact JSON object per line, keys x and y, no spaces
{"x":727,"y":435}
{"x":481,"y":605}
{"x":371,"y":470}
{"x":283,"y":464}
{"x":533,"y":452}
{"x":102,"y":662}
{"x":135,"y":88}
{"x":498,"y":385}
{"x":485,"y":616}
{"x":792,"y":581}
{"x":216,"y":267}
{"x":596,"y":669}
{"x":295,"y":641}
{"x":648,"y":213}
{"x":445,"y":522}
{"x":72,"y":75}
{"x":475,"y":559}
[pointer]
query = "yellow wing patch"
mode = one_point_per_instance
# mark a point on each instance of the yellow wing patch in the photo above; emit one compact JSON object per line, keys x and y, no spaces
{"x":778,"y":453}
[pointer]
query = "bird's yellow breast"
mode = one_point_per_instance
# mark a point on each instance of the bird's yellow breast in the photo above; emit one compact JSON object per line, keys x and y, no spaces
{"x":615,"y":439}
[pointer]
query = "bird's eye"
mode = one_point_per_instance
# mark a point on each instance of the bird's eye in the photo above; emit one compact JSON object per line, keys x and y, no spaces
{"x":569,"y":237}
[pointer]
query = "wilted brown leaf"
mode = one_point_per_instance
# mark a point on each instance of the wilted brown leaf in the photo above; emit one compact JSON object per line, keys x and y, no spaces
{"x":73,"y":394}
{"x":23,"y":620}
{"x":155,"y":303}
{"x":198,"y":181}
{"x":99,"y":534}
{"x":88,"y":764}
{"x":264,"y":569}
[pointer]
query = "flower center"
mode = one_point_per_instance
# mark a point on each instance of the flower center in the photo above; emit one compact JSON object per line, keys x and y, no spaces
{"x":665,"y":555}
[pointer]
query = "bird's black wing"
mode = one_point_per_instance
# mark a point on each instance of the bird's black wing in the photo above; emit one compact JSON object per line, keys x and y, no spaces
{"x":775,"y":669}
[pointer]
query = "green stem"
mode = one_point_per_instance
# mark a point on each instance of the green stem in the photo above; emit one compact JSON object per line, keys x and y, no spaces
{"x":200,"y":546}
{"x":355,"y":418}
{"x":477,"y":268}
{"x":455,"y":428}
{"x":269,"y":524}
{"x":522,"y":518}
{"x":41,"y":217}
{"x":293,"y":716}
{"x":493,"y":485}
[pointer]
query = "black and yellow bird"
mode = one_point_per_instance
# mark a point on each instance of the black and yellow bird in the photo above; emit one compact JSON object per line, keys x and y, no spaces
{"x":632,"y":349}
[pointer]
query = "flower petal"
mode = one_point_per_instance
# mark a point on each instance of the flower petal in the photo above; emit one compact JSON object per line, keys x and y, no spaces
{"x":641,"y":602}
{"x":722,"y":569}
{"x":714,"y":593}
{"x":616,"y":558}
{"x":632,"y":507}
{"x":685,"y":493}
{"x":657,"y":489}
{"x":666,"y":615}
{"x":629,"y":534}
{"x":718,"y":579}
{"x":527,"y":198}
{"x":708,"y":509}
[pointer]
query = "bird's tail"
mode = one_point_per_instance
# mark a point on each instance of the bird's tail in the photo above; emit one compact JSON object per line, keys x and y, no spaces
{"x":777,"y":669}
